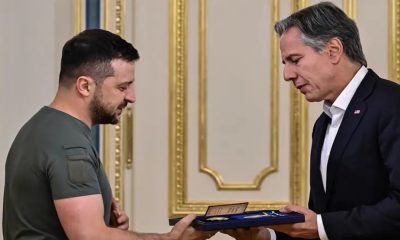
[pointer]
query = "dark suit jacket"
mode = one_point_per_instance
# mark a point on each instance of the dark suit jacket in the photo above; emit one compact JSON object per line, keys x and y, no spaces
{"x":362,"y":199}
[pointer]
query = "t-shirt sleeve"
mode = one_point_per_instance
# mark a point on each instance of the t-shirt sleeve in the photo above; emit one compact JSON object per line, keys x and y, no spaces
{"x":73,"y":173}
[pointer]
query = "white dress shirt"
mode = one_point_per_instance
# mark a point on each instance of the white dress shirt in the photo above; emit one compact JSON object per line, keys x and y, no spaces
{"x":336,"y":112}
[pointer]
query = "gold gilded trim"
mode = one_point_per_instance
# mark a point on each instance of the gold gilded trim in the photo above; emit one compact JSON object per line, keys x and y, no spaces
{"x":394,"y":40}
{"x":177,"y":113}
{"x":203,"y":98}
{"x":299,"y":4}
{"x":106,"y":135}
{"x":299,"y":148}
{"x":128,"y":137}
{"x":299,"y":137}
{"x":106,"y":14}
{"x":350,"y":8}
{"x":123,"y":130}
{"x":179,"y":203}
{"x":275,"y":77}
{"x":118,"y":177}
{"x":120,"y":17}
{"x":274,"y":137}
{"x":78,"y":19}
{"x":120,"y":129}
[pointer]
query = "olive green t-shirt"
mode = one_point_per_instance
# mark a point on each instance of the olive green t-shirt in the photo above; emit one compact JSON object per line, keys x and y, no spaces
{"x":52,"y":157}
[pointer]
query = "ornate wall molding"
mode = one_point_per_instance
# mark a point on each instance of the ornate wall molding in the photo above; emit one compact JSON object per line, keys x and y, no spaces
{"x":299,"y":137}
{"x":119,"y":136}
{"x":299,"y":4}
{"x":177,"y":113}
{"x":179,"y":202}
{"x":274,"y":136}
{"x":394,"y":40}
{"x":78,"y":16}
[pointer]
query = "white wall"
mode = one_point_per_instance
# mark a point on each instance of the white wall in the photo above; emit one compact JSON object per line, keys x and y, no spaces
{"x":150,"y":170}
{"x":32,"y":34}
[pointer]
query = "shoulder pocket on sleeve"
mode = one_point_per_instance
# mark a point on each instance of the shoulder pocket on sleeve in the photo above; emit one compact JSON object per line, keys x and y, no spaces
{"x":79,"y":164}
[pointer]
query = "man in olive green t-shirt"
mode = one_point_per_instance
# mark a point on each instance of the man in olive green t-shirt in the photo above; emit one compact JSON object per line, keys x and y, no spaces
{"x":51,"y":158}
{"x":55,"y":185}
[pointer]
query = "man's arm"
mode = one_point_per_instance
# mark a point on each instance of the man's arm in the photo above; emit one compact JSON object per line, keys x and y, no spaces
{"x":82,"y":218}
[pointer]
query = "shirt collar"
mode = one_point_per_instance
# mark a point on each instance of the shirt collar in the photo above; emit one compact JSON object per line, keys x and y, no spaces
{"x":344,"y":98}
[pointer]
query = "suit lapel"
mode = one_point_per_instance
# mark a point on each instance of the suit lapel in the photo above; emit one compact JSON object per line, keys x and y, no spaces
{"x":315,"y":174}
{"x":347,"y":128}
{"x":351,"y":120}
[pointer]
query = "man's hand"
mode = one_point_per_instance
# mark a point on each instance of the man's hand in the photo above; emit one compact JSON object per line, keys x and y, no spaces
{"x":193,"y":234}
{"x":119,"y":219}
{"x":307,"y":229}
{"x":183,"y":231}
{"x":180,"y":227}
{"x":260,"y":233}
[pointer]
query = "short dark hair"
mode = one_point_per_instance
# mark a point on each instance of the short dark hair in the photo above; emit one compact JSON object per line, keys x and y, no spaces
{"x":320,"y":23}
{"x":90,"y":54}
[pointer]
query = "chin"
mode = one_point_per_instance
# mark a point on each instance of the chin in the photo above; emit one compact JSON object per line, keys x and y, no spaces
{"x":313,"y":99}
{"x":117,"y":119}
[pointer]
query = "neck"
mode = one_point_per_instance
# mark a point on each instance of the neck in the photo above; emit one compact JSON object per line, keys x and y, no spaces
{"x":72,"y":105}
{"x":344,"y":74}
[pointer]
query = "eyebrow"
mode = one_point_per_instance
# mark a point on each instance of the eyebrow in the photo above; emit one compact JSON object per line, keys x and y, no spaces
{"x":126,"y":83}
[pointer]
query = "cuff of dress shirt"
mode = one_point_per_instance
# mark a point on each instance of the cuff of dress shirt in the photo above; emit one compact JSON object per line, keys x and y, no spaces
{"x":321,"y":230}
{"x":272,"y":234}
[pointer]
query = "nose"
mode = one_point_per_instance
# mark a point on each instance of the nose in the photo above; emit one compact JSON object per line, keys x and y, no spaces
{"x":288,"y":73}
{"x":130,"y":96}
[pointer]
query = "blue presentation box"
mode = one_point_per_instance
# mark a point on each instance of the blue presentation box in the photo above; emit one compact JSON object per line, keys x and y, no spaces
{"x":243,"y":220}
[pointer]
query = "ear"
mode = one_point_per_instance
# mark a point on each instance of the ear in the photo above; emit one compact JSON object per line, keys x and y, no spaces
{"x":335,"y":50}
{"x":85,"y":85}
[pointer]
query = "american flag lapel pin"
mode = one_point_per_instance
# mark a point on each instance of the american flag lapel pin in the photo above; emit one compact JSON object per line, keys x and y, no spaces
{"x":357,"y":111}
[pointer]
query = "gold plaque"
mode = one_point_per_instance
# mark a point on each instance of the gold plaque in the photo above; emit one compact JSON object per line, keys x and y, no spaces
{"x":226,"y":209}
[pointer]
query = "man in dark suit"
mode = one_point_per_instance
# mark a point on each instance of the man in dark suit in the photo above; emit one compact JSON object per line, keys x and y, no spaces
{"x":355,"y":155}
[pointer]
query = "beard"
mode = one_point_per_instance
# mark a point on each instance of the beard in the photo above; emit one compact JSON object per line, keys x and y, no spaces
{"x":101,"y":113}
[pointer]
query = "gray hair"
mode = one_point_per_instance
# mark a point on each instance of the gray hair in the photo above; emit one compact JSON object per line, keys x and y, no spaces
{"x":320,"y":23}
